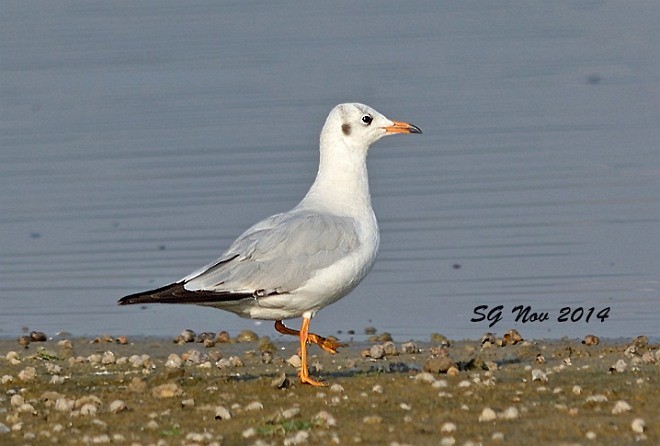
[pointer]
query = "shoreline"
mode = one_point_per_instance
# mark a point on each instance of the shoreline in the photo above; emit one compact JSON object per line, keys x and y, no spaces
{"x":153,"y":391}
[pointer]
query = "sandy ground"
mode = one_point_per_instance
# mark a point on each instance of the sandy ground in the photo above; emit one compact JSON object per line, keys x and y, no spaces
{"x":153,"y":391}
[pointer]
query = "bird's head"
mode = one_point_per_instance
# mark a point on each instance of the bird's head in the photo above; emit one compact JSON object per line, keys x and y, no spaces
{"x":359,"y":125}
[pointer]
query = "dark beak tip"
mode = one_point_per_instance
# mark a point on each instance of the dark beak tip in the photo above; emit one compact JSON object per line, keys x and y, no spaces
{"x":415,"y":129}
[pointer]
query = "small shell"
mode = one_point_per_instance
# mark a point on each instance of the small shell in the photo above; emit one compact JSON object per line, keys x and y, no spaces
{"x":590,"y":340}
{"x":487,"y":415}
{"x":221,"y":413}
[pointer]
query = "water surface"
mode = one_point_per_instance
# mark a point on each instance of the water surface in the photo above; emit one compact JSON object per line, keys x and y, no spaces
{"x":138,"y":140}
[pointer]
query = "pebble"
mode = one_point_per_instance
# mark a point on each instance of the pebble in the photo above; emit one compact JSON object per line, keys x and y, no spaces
{"x":299,"y":437}
{"x":117,"y":406}
{"x":410,"y":348}
{"x":621,"y":407}
{"x":221,"y":413}
{"x":487,"y":415}
{"x":577,"y":390}
{"x":38,"y":336}
{"x":87,"y":399}
{"x":247,"y":336}
{"x":337,"y":388}
{"x":122,"y":340}
{"x":103,"y":339}
{"x":168,"y":390}
{"x":370,"y":331}
{"x":596,"y":399}
{"x":641,"y":341}
{"x":17,"y":400}
{"x":136,"y":361}
{"x":372,"y":419}
{"x":590,"y":435}
{"x":512,"y":337}
{"x":26,"y":408}
{"x":437,"y":338}
{"x":13,"y":357}
{"x":377,"y":352}
{"x":88,"y":409}
{"x":448,"y":427}
{"x":57,"y":380}
{"x":383,"y":337}
{"x":438,"y":365}
{"x":23,"y":341}
{"x":4,"y":429}
{"x":648,"y":358}
{"x":249,"y":432}
{"x":638,"y":425}
{"x":267,"y":358}
{"x":539,"y":375}
{"x":254,"y":406}
{"x":199,"y":438}
{"x":425,"y":377}
{"x":232,"y":361}
{"x":192,"y":356}
{"x":65,"y":343}
{"x":205,"y":365}
{"x":619,"y":367}
{"x":64,"y":404}
{"x":510,"y":413}
{"x":53,"y":369}
{"x":292,"y":412}
{"x":281,"y":382}
{"x":206,"y":335}
{"x":497,"y":436}
{"x":185,"y":336}
{"x":633,"y":353}
{"x":108,"y":358}
{"x":590,"y":340}
{"x":389,"y":349}
{"x":295,"y":361}
{"x":28,"y":374}
{"x":222,"y":337}
{"x":190,"y":402}
{"x":6,"y":379}
{"x":324,"y":419}
{"x":174,"y":361}
{"x":137,"y":385}
{"x":447,"y":441}
{"x":377,"y":388}
{"x":266,"y":345}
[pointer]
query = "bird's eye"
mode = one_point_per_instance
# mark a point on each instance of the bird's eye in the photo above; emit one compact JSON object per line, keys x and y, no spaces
{"x":367,"y":119}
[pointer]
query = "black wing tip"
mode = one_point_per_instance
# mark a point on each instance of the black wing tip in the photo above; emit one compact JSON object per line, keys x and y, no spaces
{"x":151,"y":296}
{"x":175,"y":293}
{"x":127,"y":300}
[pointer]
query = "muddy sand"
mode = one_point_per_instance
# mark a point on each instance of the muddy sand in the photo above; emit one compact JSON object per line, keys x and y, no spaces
{"x":224,"y":392}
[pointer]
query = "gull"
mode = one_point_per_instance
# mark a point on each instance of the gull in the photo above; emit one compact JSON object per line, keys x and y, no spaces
{"x":292,"y":264}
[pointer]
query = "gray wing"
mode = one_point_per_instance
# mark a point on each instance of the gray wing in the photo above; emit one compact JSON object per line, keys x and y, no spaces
{"x":279,"y":254}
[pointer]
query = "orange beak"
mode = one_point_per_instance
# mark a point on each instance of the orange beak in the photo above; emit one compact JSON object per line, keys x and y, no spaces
{"x":402,"y":127}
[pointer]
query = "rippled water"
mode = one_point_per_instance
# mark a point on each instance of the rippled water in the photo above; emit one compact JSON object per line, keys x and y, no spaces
{"x":139,"y":139}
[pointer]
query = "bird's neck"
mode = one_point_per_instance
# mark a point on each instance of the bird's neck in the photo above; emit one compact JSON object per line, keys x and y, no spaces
{"x":342,"y":183}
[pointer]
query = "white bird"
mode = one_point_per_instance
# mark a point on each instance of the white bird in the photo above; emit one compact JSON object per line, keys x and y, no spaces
{"x":293,"y":264}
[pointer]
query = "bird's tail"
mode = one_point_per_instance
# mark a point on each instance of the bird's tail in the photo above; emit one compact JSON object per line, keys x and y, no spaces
{"x":175,"y":293}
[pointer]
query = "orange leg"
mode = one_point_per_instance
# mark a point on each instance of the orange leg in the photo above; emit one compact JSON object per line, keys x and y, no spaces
{"x":304,"y":372}
{"x":329,"y":345}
